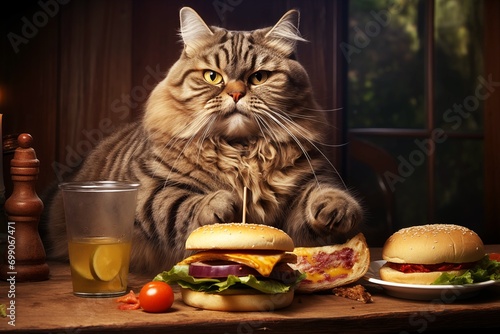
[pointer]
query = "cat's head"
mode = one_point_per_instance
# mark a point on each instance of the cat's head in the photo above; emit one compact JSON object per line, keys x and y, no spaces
{"x":235,"y":85}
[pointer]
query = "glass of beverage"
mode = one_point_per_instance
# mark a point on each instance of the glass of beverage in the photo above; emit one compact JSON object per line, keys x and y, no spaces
{"x":99,"y":223}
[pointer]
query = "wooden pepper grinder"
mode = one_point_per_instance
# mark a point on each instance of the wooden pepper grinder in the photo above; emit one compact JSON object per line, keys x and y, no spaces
{"x":24,"y":257}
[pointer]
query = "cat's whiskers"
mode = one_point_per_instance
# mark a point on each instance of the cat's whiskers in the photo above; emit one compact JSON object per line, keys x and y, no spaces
{"x":205,"y":134}
{"x":315,"y":144}
{"x":269,"y":115}
{"x":314,"y":118}
{"x":315,"y":109}
{"x":283,"y":120}
{"x":261,"y":123}
{"x":262,"y":109}
{"x":203,"y":123}
{"x":261,"y":120}
{"x":193,"y":127}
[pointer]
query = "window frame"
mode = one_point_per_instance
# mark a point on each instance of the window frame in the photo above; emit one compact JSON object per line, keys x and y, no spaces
{"x":491,"y":141}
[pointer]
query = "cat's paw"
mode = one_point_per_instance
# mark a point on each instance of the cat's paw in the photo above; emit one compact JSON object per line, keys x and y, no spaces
{"x":333,"y":211}
{"x":219,"y":207}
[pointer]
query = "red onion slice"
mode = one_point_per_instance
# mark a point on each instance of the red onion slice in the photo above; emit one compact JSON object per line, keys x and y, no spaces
{"x":218,"y":269}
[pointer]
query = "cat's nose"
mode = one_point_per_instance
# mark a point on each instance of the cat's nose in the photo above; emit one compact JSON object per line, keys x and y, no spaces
{"x":236,"y":89}
{"x":236,"y":95}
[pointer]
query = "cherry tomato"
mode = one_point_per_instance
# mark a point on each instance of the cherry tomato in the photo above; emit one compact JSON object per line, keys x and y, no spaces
{"x":156,"y":297}
{"x":494,"y":256}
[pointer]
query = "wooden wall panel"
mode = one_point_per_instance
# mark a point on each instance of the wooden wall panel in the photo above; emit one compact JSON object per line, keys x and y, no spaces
{"x":322,"y":25}
{"x":155,"y":46}
{"x":95,"y":77}
{"x":28,"y":80}
{"x":67,"y":78}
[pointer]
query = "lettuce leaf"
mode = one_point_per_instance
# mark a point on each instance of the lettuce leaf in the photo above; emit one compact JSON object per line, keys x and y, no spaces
{"x":485,"y":270}
{"x":180,"y":274}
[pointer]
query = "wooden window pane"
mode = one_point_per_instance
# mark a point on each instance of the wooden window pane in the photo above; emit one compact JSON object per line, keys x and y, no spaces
{"x":386,"y":67}
{"x":429,"y":117}
{"x":459,"y":182}
{"x":459,"y":78}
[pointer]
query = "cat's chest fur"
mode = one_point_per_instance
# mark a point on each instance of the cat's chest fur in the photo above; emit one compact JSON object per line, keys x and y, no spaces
{"x":261,"y":166}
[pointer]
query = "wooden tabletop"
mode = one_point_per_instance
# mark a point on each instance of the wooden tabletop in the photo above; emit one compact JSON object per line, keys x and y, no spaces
{"x":50,"y":306}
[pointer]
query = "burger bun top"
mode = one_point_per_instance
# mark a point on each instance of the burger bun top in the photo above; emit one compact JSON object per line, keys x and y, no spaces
{"x":239,"y":236}
{"x":432,"y":244}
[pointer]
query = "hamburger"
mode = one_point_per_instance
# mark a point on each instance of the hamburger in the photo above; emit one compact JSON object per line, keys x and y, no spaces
{"x":236,"y":267}
{"x":422,"y":254}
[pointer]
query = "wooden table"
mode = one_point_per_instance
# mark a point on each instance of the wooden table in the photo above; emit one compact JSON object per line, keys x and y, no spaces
{"x":50,"y":306}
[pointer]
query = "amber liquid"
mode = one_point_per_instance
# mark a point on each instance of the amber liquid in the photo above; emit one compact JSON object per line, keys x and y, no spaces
{"x":99,"y":266}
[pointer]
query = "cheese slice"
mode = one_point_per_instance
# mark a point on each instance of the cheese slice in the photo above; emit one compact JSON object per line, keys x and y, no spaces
{"x":263,"y":262}
{"x":326,"y":275}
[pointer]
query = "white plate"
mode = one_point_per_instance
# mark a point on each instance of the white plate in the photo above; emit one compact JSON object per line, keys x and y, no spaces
{"x":444,"y":293}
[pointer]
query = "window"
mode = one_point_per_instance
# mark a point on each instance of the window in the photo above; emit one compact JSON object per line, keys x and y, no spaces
{"x":416,"y":90}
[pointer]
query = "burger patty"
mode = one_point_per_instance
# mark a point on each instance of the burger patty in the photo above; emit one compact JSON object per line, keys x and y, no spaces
{"x":425,"y":268}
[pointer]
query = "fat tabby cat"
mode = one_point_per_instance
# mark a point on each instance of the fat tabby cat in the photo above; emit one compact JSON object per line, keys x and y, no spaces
{"x":235,"y":110}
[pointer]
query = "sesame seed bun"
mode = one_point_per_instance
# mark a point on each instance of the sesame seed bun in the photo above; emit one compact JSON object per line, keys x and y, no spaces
{"x":239,"y":236}
{"x":433,"y":243}
{"x":427,"y":245}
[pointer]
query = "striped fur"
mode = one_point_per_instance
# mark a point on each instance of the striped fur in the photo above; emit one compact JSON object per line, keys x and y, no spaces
{"x":199,"y":144}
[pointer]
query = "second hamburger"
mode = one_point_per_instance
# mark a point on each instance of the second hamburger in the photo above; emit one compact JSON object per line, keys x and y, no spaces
{"x":421,"y":254}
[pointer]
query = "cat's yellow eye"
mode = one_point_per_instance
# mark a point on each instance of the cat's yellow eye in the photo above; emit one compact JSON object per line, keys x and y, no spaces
{"x":212,"y":77}
{"x":258,"y":78}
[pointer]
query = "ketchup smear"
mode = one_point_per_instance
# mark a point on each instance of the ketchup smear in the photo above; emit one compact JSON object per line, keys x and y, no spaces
{"x":425,"y":268}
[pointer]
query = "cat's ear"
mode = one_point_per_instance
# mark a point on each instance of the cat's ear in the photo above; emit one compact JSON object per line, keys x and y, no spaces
{"x":285,"y":34}
{"x":194,"y":31}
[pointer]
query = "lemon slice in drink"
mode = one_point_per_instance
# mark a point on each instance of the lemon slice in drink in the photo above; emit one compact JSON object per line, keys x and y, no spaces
{"x":82,"y":269}
{"x":79,"y":260}
{"x":106,"y":262}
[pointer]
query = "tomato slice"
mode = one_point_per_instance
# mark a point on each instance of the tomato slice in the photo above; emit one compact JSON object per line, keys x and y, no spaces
{"x":128,"y":302}
{"x":124,"y":306}
{"x":425,"y":268}
{"x":494,"y":256}
{"x":217,"y":269}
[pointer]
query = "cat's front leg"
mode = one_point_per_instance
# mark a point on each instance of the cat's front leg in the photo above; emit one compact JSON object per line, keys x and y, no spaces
{"x":218,"y":207}
{"x":333,"y":211}
{"x":326,"y":215}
